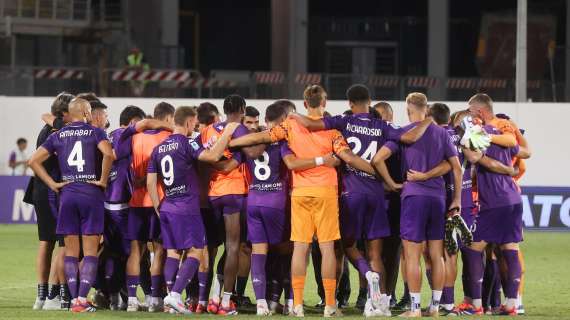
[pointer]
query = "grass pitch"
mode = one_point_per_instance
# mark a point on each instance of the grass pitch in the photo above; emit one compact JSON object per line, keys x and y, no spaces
{"x":546,"y":293}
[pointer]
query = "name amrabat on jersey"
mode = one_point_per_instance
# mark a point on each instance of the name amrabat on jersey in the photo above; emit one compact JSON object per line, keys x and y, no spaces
{"x":75,"y":133}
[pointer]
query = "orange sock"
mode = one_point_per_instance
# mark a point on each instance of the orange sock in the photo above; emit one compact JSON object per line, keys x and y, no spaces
{"x":330,"y":288}
{"x":298,"y":285}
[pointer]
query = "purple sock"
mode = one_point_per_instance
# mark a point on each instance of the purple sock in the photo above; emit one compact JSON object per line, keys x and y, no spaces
{"x":156,"y":285}
{"x":428,"y":276}
{"x":514,"y":273}
{"x":496,"y":294}
{"x":71,"y":267}
{"x":203,"y":290}
{"x":465,"y":276}
{"x":362,"y":266}
{"x":132,"y":284}
{"x":448,"y":295}
{"x":258,"y":275}
{"x":186,"y":272}
{"x":170,"y":270}
{"x":87,"y":275}
{"x":475,"y":260}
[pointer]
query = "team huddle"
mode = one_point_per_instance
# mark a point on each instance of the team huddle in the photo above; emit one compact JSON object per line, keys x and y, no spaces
{"x":149,"y":204}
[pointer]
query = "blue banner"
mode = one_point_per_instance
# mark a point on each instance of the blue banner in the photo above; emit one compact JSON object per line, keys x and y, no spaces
{"x":544,"y":208}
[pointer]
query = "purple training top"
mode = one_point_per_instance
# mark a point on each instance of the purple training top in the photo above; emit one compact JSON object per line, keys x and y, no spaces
{"x":269,"y":186}
{"x":466,"y":189}
{"x":78,"y":157}
{"x":425,"y":154}
{"x":174,"y":160}
{"x":365,"y":135}
{"x":119,"y":186}
{"x":497,"y":190}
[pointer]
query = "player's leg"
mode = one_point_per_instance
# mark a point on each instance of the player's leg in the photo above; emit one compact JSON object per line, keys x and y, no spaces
{"x":71,"y":264}
{"x":187,"y":270}
{"x":392,"y":247}
{"x":203,"y":288}
{"x":302,"y":232}
{"x":232,"y":225}
{"x":448,"y":295}
{"x":244,"y":262}
{"x":46,"y":234}
{"x":257,"y":234}
{"x":52,"y":300}
{"x":514,"y":270}
{"x":133,"y":270}
{"x":157,"y":277}
{"x":438,"y":273}
{"x":520,"y":307}
{"x":413,"y":252}
{"x":414,"y":223}
{"x":328,"y":231}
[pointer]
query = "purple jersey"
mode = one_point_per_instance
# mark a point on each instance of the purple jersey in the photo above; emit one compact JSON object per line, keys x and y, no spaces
{"x":425,"y":154}
{"x":466,"y":189}
{"x":174,"y":160}
{"x":240,"y":131}
{"x":78,"y":157}
{"x":497,"y":190}
{"x":269,"y":185}
{"x":119,"y":186}
{"x":365,"y":135}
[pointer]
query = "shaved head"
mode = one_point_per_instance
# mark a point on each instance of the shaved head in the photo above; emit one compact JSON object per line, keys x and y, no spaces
{"x":80,"y":110}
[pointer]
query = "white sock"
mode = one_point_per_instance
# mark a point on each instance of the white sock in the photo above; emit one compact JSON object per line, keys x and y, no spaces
{"x":290,"y":303}
{"x":226,"y":299}
{"x":416,"y":301}
{"x":477,"y":303}
{"x":435,"y":298}
{"x":447,"y":307}
{"x":519,"y":300}
{"x":511,"y":303}
{"x":204,"y":303}
{"x":262,"y":302}
{"x":217,"y":288}
{"x":176,"y":296}
{"x":133,"y":300}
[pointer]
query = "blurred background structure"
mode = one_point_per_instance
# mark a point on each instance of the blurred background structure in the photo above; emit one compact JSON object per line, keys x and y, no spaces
{"x":272,"y":49}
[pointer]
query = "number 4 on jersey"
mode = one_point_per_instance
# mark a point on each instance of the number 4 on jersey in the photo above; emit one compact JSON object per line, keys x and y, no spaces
{"x":75,"y":158}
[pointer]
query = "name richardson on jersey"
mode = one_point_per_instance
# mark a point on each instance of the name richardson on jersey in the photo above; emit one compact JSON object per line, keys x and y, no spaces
{"x":168,"y":147}
{"x":76,"y":133}
{"x":375,"y":132}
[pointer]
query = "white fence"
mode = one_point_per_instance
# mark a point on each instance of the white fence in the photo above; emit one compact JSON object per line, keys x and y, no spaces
{"x":546,"y":127}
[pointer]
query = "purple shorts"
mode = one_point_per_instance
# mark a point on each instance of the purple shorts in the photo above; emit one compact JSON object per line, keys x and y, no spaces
{"x":214,"y":228}
{"x":181,"y":224}
{"x":116,"y":229}
{"x":267,"y":225}
{"x":363,"y":216}
{"x":80,"y":213}
{"x":144,"y":225}
{"x":228,"y":204}
{"x":499,"y":225}
{"x":423,"y":218}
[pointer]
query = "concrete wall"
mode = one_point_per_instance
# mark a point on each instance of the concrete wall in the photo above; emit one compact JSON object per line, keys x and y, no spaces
{"x":545,"y":125}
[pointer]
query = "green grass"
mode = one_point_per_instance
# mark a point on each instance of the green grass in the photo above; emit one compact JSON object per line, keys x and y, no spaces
{"x":546,"y":292}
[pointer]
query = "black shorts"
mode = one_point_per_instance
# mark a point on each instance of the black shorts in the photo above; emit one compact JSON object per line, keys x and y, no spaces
{"x":46,"y":220}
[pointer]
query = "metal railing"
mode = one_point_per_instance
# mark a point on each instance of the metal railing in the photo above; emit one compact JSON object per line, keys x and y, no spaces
{"x":125,"y":82}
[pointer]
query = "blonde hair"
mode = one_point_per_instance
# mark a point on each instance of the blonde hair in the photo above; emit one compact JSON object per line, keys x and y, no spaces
{"x":418,"y":99}
{"x":314,"y":95}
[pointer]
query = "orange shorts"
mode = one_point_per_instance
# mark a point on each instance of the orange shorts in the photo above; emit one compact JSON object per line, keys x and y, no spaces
{"x":314,"y":216}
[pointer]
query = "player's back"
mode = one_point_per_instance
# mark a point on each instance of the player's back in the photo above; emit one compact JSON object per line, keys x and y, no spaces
{"x":425,"y":154}
{"x":494,"y":189}
{"x":222,"y":183}
{"x":142,"y":146}
{"x":307,"y":145}
{"x":269,"y":177}
{"x":79,"y":158}
{"x":467,"y":181}
{"x":365,"y":136}
{"x":119,"y":185}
